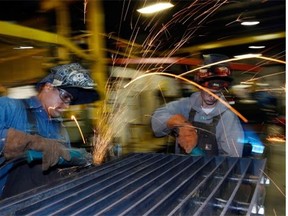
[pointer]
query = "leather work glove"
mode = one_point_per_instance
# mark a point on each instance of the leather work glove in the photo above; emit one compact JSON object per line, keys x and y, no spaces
{"x":187,"y":137}
{"x":186,"y":133}
{"x":18,"y":142}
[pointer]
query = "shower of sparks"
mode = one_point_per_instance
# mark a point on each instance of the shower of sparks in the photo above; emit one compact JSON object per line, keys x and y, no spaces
{"x":162,"y":95}
{"x":191,"y":15}
{"x":239,"y":19}
{"x":195,"y":84}
{"x":112,"y":117}
{"x":110,"y":123}
{"x":85,"y":10}
{"x":274,"y":183}
{"x":279,"y":139}
{"x":101,"y":142}
{"x":233,"y":59}
{"x":205,"y":89}
{"x":283,"y":89}
{"x":280,"y":121}
{"x":74,"y":118}
{"x":49,"y":109}
{"x":269,"y":75}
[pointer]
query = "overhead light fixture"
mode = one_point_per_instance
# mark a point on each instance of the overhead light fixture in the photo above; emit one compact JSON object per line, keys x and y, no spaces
{"x":256,"y":47}
{"x":155,"y":7}
{"x":24,"y":47}
{"x":250,"y":23}
{"x":248,"y":55}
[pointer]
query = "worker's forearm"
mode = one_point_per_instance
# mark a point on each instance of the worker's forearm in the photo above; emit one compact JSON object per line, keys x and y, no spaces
{"x":176,"y":121}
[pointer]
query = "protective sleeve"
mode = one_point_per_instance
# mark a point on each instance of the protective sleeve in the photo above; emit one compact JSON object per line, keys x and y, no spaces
{"x":161,"y":115}
{"x":8,"y":115}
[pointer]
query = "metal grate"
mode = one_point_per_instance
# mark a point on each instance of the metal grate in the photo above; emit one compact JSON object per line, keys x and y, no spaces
{"x":151,"y":184}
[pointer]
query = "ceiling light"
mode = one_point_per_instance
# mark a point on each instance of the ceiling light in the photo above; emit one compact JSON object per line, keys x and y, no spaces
{"x":24,"y":47}
{"x":256,"y":47}
{"x":249,"y":55}
{"x":155,"y":8}
{"x":250,"y":23}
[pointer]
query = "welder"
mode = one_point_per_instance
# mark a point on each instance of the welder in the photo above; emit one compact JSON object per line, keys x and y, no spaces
{"x":201,"y":123}
{"x":35,"y":123}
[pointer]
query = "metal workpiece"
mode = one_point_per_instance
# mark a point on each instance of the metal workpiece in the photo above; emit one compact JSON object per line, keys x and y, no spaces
{"x":151,"y":184}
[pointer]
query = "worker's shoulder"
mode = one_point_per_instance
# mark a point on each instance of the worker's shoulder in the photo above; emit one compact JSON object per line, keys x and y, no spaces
{"x":6,"y":101}
{"x":228,"y":113}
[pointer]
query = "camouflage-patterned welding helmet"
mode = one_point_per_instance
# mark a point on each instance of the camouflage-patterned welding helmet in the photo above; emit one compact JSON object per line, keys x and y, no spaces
{"x":216,"y":76}
{"x":74,"y":79}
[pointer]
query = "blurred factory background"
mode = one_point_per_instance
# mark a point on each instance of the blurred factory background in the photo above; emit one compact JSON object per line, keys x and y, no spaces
{"x":118,"y":44}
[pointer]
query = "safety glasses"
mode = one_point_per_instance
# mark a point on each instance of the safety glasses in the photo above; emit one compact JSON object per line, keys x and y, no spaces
{"x":65,"y":96}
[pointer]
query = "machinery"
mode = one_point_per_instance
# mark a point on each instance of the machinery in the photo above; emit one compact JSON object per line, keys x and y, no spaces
{"x":151,"y":184}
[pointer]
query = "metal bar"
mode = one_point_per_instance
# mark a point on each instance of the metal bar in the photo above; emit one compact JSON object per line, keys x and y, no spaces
{"x":153,"y":186}
{"x":229,"y":201}
{"x":206,"y":205}
{"x":120,"y":194}
{"x":149,"y":184}
{"x":191,"y":184}
{"x":28,"y":199}
{"x":258,"y":167}
{"x":103,"y":181}
{"x":195,"y":200}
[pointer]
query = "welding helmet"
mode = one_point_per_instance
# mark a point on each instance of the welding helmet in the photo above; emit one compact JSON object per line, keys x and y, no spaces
{"x":215,"y":77}
{"x":74,"y":79}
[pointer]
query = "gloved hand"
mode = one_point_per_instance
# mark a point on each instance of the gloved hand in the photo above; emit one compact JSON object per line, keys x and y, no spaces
{"x":187,"y":134}
{"x":18,"y":142}
{"x":187,"y":137}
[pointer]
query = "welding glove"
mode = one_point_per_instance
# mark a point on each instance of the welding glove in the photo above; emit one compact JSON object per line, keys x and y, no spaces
{"x":18,"y":142}
{"x":186,"y":134}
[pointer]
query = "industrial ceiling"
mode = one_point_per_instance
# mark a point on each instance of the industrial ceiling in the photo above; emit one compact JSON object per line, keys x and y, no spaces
{"x":190,"y":28}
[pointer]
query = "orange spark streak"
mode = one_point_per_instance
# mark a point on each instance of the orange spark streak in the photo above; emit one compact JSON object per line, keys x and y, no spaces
{"x":85,"y":9}
{"x":205,"y":89}
{"x":195,"y":84}
{"x":74,"y":118}
{"x":274,"y":74}
{"x":274,"y":183}
{"x":276,"y":139}
{"x":230,"y":60}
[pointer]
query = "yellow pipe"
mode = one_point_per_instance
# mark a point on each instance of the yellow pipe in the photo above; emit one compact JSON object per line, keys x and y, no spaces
{"x":232,"y":42}
{"x":63,"y":28}
{"x":95,"y":23}
{"x":19,"y":31}
{"x":22,"y":55}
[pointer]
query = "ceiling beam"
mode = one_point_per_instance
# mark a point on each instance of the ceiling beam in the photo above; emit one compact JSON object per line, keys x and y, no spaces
{"x":19,"y":31}
{"x":180,"y":61}
{"x":231,"y":42}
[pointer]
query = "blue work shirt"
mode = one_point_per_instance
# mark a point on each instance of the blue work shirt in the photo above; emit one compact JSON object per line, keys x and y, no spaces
{"x":13,"y":114}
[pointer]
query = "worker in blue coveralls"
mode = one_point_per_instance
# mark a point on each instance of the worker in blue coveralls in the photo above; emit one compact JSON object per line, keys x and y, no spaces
{"x":200,"y":121}
{"x":35,"y":124}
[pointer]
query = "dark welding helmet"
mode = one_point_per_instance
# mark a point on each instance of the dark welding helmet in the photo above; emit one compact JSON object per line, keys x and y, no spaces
{"x":215,"y":77}
{"x":74,"y":79}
